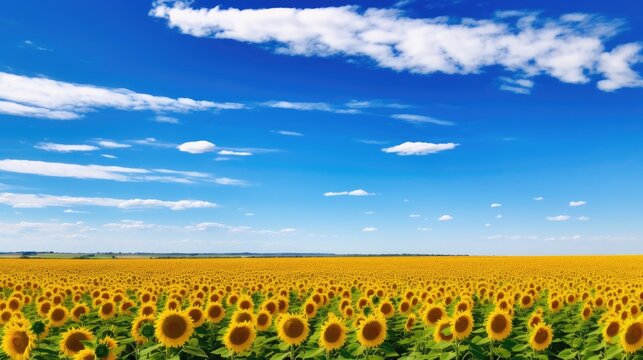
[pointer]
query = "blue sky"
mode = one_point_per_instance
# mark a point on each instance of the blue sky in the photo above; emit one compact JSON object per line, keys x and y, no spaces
{"x":459,"y":127}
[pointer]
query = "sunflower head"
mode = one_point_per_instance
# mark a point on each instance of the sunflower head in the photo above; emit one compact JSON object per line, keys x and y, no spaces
{"x":462,"y":325}
{"x":632,"y":335}
{"x":292,"y":329}
{"x":541,"y":337}
{"x":214,"y":312}
{"x":239,"y":336}
{"x":173,"y":328}
{"x":371,"y":332}
{"x":17,"y":342}
{"x":498,"y":325}
{"x":263,"y":320}
{"x":443,"y":331}
{"x":71,"y":341}
{"x":333,"y":334}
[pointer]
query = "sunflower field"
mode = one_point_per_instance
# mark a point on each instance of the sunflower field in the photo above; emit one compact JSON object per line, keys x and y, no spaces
{"x":323,"y":308}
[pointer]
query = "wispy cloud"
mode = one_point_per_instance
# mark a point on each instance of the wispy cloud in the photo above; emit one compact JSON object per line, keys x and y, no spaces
{"x":34,"y":201}
{"x":419,"y":148}
{"x":358,"y":192}
{"x":421,"y":119}
{"x":65,"y":148}
{"x":166,"y":119}
{"x":287,"y":133}
{"x":445,"y":218}
{"x":495,"y":205}
{"x":116,"y":173}
{"x":577,"y":203}
{"x":45,"y":98}
{"x":369,"y":229}
{"x":309,"y":106}
{"x":108,"y":144}
{"x":570,"y":48}
{"x":234,"y":153}
{"x":518,"y":86}
{"x":558,"y":218}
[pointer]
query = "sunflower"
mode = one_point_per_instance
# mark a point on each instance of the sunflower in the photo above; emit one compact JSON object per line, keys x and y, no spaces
{"x":214,"y":312}
{"x":372,"y":331}
{"x":292,"y":329}
{"x":387,"y":309}
{"x":5,"y":316}
{"x":526,"y":301}
{"x":443,"y":331}
{"x":555,"y":305}
{"x":541,"y":337}
{"x":78,"y":311}
{"x":173,"y":328}
{"x":137,"y":325}
{"x":148,"y":310}
{"x":534,"y":320}
{"x":126,"y":306}
{"x":111,"y":345}
{"x":197,"y":316}
{"x":333,"y":334}
{"x":632,"y":335}
{"x":611,"y":329}
{"x":17,"y":342}
{"x":243,"y":316}
{"x":433,"y":314}
{"x":310,"y":309}
{"x":462,"y":325}
{"x":498,"y":325}
{"x":70,"y":343}
{"x":85,"y":354}
{"x":239,"y":336}
{"x":270,"y":306}
{"x":263,"y":320}
{"x":58,"y":316}
{"x":586,"y":313}
{"x":107,"y":310}
{"x":404,"y":307}
{"x":245,"y":303}
{"x":410,"y":323}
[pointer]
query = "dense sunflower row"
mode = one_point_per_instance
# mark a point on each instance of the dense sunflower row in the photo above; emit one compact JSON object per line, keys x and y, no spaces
{"x":319,"y":308}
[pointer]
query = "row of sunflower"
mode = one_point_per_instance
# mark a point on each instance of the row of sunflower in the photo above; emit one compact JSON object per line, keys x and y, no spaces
{"x":411,"y":308}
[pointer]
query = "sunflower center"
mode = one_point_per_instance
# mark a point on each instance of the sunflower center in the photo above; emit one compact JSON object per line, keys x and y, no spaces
{"x":526,"y":300}
{"x":239,"y":335}
{"x":45,"y":307}
{"x":535,"y":321}
{"x":461,"y":324}
{"x":613,"y":329}
{"x":293,"y":328}
{"x":270,"y":307}
{"x":405,"y":306}
{"x":245,"y":305}
{"x":20,"y":341}
{"x":462,"y":307}
{"x":541,"y":336}
{"x":634,"y":333}
{"x":195,"y":314}
{"x":79,"y":311}
{"x":107,"y":308}
{"x":586,"y":312}
{"x":174,"y":326}
{"x":244,"y":317}
{"x":57,"y":315}
{"x":310,"y":308}
{"x":386,"y":308}
{"x":262,"y":319}
{"x":498,"y":324}
{"x":434,"y":315}
{"x":6,"y":316}
{"x":371,"y":330}
{"x":442,"y":335}
{"x":214,"y":312}
{"x":73,"y":342}
{"x":333,"y":333}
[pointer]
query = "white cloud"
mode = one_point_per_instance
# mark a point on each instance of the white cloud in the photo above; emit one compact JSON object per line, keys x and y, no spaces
{"x":64,"y":148}
{"x":34,"y":201}
{"x":577,"y":203}
{"x":496,"y":205}
{"x":582,"y":218}
{"x":287,"y":230}
{"x":45,"y":98}
{"x":308,"y":106}
{"x":107,"y":144}
{"x":108,"y":156}
{"x":369,"y":212}
{"x":538,"y":198}
{"x":234,"y":153}
{"x":71,"y":211}
{"x":558,"y":218}
{"x":415,"y":215}
{"x":288,"y":133}
{"x":445,"y":218}
{"x":116,"y":173}
{"x":129,"y":225}
{"x":487,"y":225}
{"x":424,"y":229}
{"x":249,"y":214}
{"x":418,"y":119}
{"x":419,"y":148}
{"x":570,"y":48}
{"x":369,"y":229}
{"x":358,"y":192}
{"x":166,"y":119}
{"x":518,"y":86}
{"x":499,"y":216}
{"x":197,"y":147}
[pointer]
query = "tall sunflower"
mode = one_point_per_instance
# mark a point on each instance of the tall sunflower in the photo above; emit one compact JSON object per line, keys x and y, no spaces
{"x":292,"y":329}
{"x":632,"y":335}
{"x":214,"y":312}
{"x":541,"y":337}
{"x":333,"y":334}
{"x":58,"y":316}
{"x":17,"y":342}
{"x":462,"y":325}
{"x":498,"y":325}
{"x":372,"y":331}
{"x":70,"y":342}
{"x":443,"y":330}
{"x":239,"y":336}
{"x":173,"y":328}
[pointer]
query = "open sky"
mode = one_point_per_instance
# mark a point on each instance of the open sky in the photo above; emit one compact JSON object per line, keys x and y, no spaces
{"x":350,"y":127}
